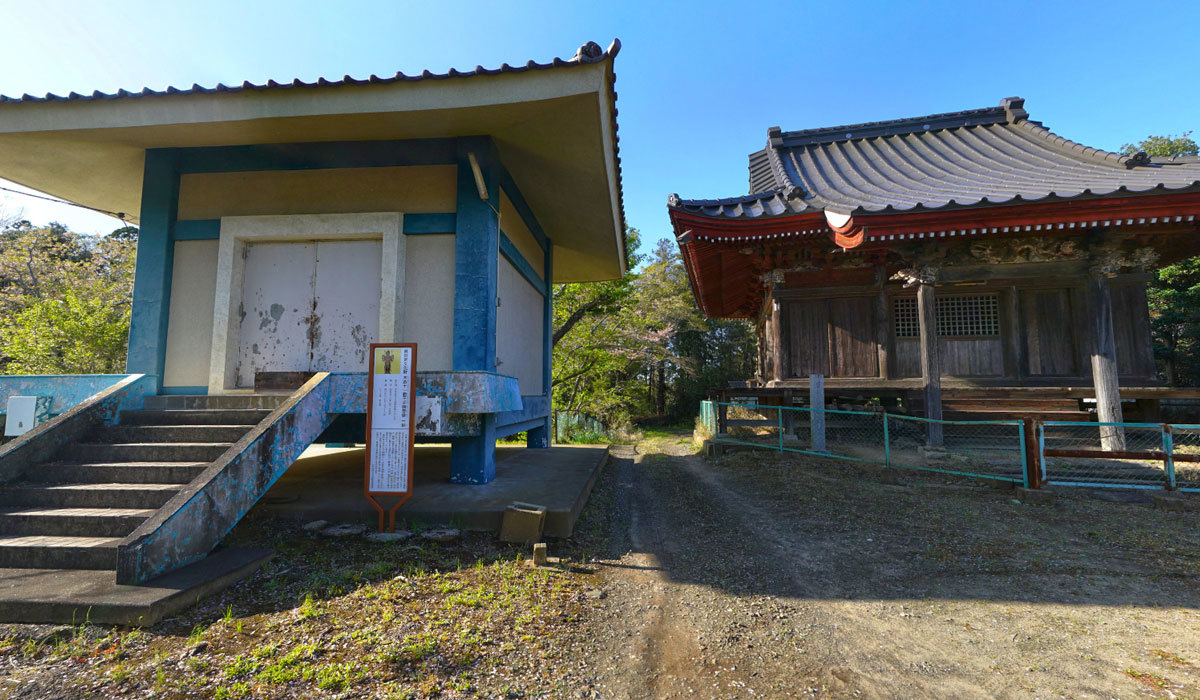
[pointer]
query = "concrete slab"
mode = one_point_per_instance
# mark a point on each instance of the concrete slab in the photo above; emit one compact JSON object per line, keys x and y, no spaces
{"x":74,"y":596}
{"x":327,"y":483}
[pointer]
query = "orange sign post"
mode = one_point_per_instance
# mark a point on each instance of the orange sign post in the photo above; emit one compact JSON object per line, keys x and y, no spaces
{"x":391,"y":403}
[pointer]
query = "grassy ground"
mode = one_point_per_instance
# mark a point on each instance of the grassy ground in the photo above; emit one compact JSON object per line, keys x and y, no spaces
{"x":325,"y":618}
{"x":757,"y":574}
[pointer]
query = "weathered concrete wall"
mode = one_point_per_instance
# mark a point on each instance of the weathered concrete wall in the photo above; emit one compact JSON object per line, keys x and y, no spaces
{"x":202,"y":513}
{"x":514,"y":227}
{"x":519,"y":320}
{"x":40,"y":444}
{"x":67,"y":390}
{"x":189,"y":333}
{"x":428,"y":303}
{"x":413,"y":189}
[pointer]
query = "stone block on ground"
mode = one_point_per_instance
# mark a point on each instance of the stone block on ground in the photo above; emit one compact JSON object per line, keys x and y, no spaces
{"x":315,"y":526}
{"x":1039,"y":497}
{"x":539,"y":554}
{"x":522,"y":523}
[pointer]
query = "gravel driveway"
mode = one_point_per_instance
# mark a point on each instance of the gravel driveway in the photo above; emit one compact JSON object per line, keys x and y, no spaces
{"x":762,"y":575}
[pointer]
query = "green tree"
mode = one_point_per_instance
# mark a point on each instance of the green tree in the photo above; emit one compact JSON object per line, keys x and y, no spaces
{"x":65,"y":300}
{"x":1174,"y":294}
{"x":1164,"y":146}
{"x":638,"y":348}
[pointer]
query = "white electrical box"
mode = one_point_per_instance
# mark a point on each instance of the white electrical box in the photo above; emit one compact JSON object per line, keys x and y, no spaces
{"x":25,"y":412}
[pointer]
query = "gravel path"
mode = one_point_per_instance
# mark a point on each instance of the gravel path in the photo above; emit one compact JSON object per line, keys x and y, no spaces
{"x":729,"y":584}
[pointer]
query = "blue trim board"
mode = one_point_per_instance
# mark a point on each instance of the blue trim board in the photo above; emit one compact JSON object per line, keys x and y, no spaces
{"x":522,"y":207}
{"x":415,"y":224}
{"x":155,"y":259}
{"x":197,"y":229}
{"x":510,"y":252}
{"x":315,"y":156}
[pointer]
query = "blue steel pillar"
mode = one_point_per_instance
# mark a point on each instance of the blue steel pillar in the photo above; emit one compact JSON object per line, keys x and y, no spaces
{"x":476,"y":255}
{"x":540,"y":436}
{"x":155,"y":258}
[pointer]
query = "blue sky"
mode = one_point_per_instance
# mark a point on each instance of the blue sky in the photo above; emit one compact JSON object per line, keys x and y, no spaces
{"x":698,"y":82}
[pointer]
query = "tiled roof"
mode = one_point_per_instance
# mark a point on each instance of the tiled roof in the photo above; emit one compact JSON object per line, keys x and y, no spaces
{"x":588,"y":53}
{"x":974,"y":158}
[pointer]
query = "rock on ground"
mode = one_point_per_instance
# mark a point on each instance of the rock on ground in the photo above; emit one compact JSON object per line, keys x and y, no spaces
{"x":441,"y":534}
{"x":343,"y":530}
{"x":397,"y":536}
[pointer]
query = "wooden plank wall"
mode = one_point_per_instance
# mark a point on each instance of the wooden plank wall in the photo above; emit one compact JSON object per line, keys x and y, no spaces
{"x":838,"y":336}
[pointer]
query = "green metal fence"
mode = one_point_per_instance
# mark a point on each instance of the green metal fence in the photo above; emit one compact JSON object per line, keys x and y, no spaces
{"x":984,"y":449}
{"x":1121,"y":455}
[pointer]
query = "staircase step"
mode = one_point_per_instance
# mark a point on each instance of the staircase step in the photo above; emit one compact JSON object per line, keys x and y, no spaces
{"x":45,"y":552}
{"x":111,"y":472}
{"x":93,"y":495}
{"x":145,"y":451}
{"x":72,"y":522}
{"x":169,"y":433}
{"x":220,"y":401}
{"x":195,"y":416}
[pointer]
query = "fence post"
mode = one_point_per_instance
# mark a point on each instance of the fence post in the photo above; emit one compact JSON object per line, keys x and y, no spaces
{"x":1168,"y":442}
{"x":779,"y":415}
{"x":887,"y":443}
{"x":816,"y":416}
{"x":722,"y":418}
{"x":1033,"y":453}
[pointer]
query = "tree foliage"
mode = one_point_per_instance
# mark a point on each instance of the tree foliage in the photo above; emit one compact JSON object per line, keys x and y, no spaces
{"x":1174,"y":294}
{"x":1164,"y":146}
{"x":637,"y":347}
{"x":65,"y":300}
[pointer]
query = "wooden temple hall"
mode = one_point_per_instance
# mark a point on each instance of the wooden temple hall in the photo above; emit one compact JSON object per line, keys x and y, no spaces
{"x":963,"y":265}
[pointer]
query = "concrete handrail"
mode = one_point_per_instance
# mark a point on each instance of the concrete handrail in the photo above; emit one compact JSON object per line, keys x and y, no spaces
{"x":39,"y":444}
{"x":189,"y":525}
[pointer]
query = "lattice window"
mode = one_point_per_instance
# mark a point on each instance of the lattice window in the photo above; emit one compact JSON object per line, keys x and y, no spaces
{"x":904,"y":314}
{"x":977,"y":315}
{"x":973,"y":315}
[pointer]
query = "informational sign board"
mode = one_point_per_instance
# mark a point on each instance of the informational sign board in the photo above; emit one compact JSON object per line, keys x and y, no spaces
{"x":391,"y":421}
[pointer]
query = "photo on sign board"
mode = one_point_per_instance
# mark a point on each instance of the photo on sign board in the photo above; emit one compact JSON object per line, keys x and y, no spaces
{"x":385,"y":359}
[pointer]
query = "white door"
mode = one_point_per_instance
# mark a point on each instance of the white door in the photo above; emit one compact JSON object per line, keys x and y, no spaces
{"x":346,"y":311}
{"x":308,"y":307}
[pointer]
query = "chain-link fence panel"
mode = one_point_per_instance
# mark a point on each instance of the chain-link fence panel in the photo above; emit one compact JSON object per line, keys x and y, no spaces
{"x":1127,"y":455}
{"x":1185,"y":443}
{"x":984,"y":449}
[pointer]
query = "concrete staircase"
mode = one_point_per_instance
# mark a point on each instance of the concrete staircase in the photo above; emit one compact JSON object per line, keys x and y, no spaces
{"x":72,"y":511}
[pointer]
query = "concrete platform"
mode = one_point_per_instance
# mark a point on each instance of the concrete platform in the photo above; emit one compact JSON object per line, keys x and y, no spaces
{"x":327,"y":484}
{"x":74,"y":596}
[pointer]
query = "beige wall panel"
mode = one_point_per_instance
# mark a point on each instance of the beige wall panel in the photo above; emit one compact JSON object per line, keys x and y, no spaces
{"x":514,"y":227}
{"x":424,"y":189}
{"x":189,"y":334}
{"x":519,"y":319}
{"x":428,"y":304}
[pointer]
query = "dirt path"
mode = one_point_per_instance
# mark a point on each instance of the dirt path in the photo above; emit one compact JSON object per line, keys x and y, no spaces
{"x":743,"y":580}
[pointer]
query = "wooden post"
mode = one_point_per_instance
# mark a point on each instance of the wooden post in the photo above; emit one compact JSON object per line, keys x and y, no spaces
{"x":783,"y":341}
{"x":1033,"y":453}
{"x":789,"y":416}
{"x":816,"y":401}
{"x":883,"y":336}
{"x":1104,"y":362}
{"x":931,"y":363}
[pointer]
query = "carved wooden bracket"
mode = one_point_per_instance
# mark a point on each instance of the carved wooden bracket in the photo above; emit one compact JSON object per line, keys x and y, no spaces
{"x":919,"y":274}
